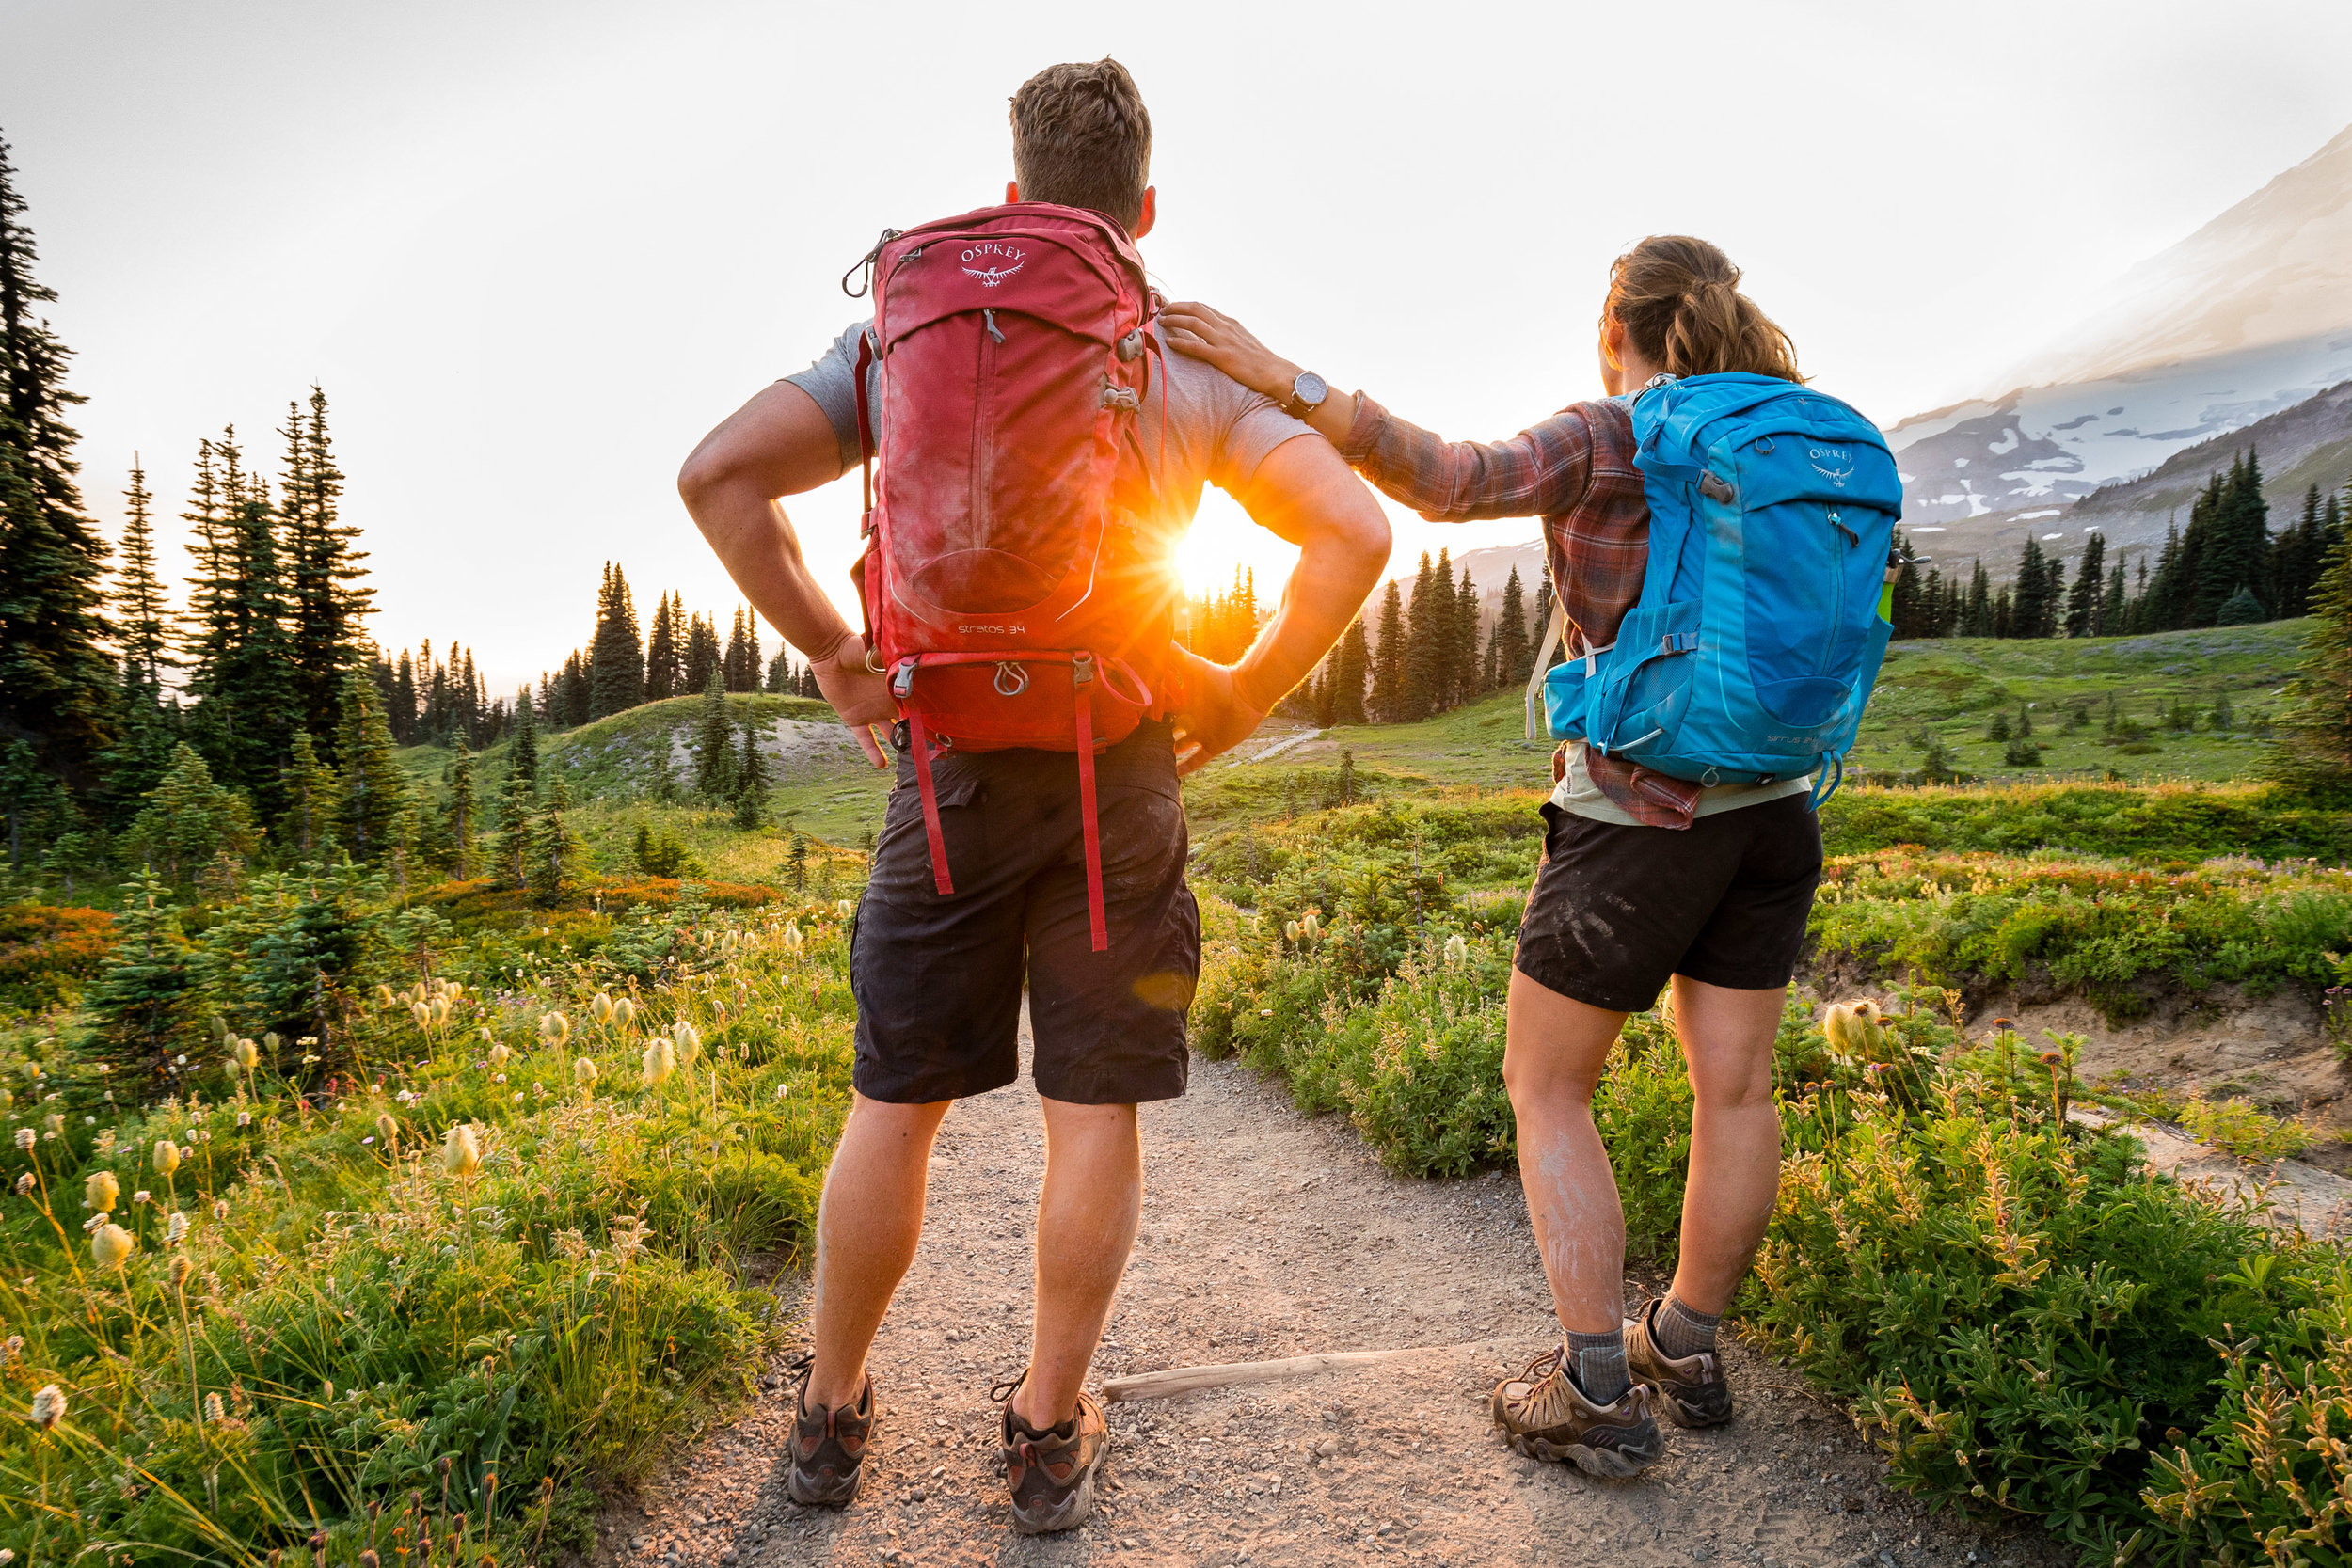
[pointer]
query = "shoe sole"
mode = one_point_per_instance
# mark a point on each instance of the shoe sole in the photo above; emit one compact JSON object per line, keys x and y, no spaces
{"x":1613,"y":1464}
{"x":1070,"y":1511}
{"x":809,"y":1494}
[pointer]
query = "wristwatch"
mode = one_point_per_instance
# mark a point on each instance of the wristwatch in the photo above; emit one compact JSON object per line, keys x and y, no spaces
{"x":1307,"y":395}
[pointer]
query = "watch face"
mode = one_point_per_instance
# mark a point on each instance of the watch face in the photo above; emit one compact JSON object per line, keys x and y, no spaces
{"x":1309,"y":389}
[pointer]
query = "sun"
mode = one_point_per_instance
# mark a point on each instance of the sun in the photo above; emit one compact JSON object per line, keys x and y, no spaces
{"x":1223,"y":540}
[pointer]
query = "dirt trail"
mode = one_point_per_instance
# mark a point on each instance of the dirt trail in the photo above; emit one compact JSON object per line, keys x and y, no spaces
{"x":1268,"y":1235}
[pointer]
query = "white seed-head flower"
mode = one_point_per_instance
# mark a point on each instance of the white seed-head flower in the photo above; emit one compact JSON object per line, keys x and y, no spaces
{"x":245,"y":1056}
{"x":485,"y":1033}
{"x":166,"y":1158}
{"x":175,"y":1229}
{"x":623,"y":1010}
{"x":25,"y":1185}
{"x":142,"y":1196}
{"x":54,"y":1123}
{"x":245,"y":1118}
{"x":1457,"y":951}
{"x":90,"y":1225}
{"x":1839,"y":1027}
{"x":792,"y":938}
{"x":1289,"y":931}
{"x":99,"y":1190}
{"x":600,"y":1007}
{"x":584,"y":1074}
{"x":661,"y":1061}
{"x":385,"y":999}
{"x":220,"y":1208}
{"x":440,"y":1012}
{"x":48,"y":1407}
{"x":1310,"y":926}
{"x":555,"y":1027}
{"x":499,"y":1055}
{"x":689,"y":1041}
{"x":214,"y":1409}
{"x":423,"y":1013}
{"x":269,"y":1038}
{"x":461,"y":1152}
{"x":845,"y":908}
{"x":112,"y":1246}
{"x":25,"y":1138}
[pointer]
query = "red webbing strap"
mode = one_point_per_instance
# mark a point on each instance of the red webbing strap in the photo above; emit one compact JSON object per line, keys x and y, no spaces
{"x":865,"y":430}
{"x":931,"y":802}
{"x":1088,"y":828}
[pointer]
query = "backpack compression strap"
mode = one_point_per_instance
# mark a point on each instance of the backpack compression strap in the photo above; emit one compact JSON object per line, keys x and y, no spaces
{"x":1555,"y":630}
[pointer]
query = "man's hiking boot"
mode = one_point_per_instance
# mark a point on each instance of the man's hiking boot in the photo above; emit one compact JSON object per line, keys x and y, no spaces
{"x":1051,"y":1474}
{"x":1548,"y":1417}
{"x":828,"y":1445}
{"x":1693,"y":1389}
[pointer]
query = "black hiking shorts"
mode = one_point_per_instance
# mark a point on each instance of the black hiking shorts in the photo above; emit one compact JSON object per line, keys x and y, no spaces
{"x":938,"y":978}
{"x":1618,"y":910}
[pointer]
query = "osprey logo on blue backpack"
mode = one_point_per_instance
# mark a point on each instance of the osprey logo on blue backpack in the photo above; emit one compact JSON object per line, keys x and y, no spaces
{"x":1753,"y":646}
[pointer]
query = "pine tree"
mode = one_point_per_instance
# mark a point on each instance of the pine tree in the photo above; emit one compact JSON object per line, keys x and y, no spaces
{"x":1976,"y":616}
{"x":329,"y":598}
{"x":714,"y":760}
{"x":558,"y":858}
{"x":781,"y":679}
{"x":2029,"y":601}
{"x":616,"y":660}
{"x":1388,"y":659}
{"x":2238,"y":554}
{"x":400,"y":702}
{"x":149,"y":1004}
{"x":1352,"y":660}
{"x":522,"y":758}
{"x":1465,"y":642}
{"x":189,"y":820}
{"x":571,"y":697}
{"x":306,"y":786}
{"x":2082,"y":603}
{"x":1516,"y":659}
{"x":57,"y":686}
{"x":2114,"y":603}
{"x":242,"y":675}
{"x":751,"y":779}
{"x":510,"y":852}
{"x":702,"y":657}
{"x":662,"y":672}
{"x":375,"y":796}
{"x":1427,"y":621}
{"x":142,"y":612}
{"x":2241,"y":609}
{"x":2313,"y":742}
{"x":738,"y":663}
{"x":460,"y":814}
{"x":2165,"y":595}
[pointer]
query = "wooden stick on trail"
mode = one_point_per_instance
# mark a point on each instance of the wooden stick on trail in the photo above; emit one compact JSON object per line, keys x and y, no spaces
{"x":1191,"y":1380}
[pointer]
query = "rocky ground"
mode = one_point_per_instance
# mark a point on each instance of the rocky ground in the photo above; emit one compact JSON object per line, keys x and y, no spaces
{"x":1268,"y":1235}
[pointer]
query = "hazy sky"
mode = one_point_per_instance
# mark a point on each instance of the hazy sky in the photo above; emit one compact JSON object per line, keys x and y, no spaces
{"x":533,"y":251}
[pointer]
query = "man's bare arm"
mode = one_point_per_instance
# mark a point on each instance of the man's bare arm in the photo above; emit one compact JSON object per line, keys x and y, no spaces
{"x":781,"y":444}
{"x":1305,"y":494}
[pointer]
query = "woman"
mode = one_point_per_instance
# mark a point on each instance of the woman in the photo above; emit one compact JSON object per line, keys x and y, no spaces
{"x":1644,"y":879}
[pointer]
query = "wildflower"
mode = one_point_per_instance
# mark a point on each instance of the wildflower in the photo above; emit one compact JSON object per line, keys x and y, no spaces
{"x":792,"y":939}
{"x":11,"y":1348}
{"x":99,"y":1190}
{"x":54,"y":1122}
{"x":1310,"y":926}
{"x":784,"y":1088}
{"x":661,"y":1061}
{"x":175,"y":1229}
{"x":385,"y":999}
{"x":423,"y":1013}
{"x":166,"y":1157}
{"x":628,"y":1238}
{"x":499,"y":1055}
{"x":461,"y":1152}
{"x":245,"y":1118}
{"x":246,"y":1057}
{"x":48,"y":1407}
{"x":622,"y":1010}
{"x":214,"y":1409}
{"x":600,"y":1007}
{"x":584,"y":1074}
{"x":181,"y":1271}
{"x":220,"y":1208}
{"x":484,"y":1033}
{"x":439,"y":1011}
{"x":555,"y":1028}
{"x":845,"y":908}
{"x":25,"y":1138}
{"x":25,"y":1185}
{"x":142,"y":1196}
{"x":1457,"y":951}
{"x":112,"y":1246}
{"x":90,"y":1225}
{"x":689,"y":1041}
{"x":1290,"y":933}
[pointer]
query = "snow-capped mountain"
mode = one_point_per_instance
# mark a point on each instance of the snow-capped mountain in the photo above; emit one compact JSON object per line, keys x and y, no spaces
{"x":2250,"y":315}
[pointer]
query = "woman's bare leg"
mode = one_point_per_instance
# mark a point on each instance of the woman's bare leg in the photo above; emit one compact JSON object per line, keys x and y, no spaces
{"x":1735,"y":1137}
{"x":1554,"y":1049}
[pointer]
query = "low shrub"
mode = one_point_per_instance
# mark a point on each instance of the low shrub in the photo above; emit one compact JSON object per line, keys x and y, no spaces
{"x":48,"y":953}
{"x":2140,"y":822}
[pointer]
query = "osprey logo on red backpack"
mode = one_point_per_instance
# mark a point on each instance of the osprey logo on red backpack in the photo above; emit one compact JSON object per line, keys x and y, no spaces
{"x":993,"y":251}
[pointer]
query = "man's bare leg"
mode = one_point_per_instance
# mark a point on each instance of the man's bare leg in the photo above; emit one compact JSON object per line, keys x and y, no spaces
{"x":1086,"y":1227}
{"x":868,"y":1225}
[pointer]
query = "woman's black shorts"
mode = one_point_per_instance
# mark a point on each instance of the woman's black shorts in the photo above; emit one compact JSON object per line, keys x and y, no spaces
{"x":1618,"y":910}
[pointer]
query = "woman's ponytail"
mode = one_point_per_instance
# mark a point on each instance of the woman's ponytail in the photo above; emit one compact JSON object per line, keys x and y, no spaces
{"x":1678,"y":299}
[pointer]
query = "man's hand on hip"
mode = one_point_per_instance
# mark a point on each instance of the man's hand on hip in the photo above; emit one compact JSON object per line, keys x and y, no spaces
{"x":1216,"y":716}
{"x":861,"y":697}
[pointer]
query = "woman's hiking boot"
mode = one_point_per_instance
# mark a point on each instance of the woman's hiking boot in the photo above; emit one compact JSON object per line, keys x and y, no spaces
{"x":828,"y":1445}
{"x":1693,"y":1389}
{"x":1051,"y":1473}
{"x":1547,"y":1416}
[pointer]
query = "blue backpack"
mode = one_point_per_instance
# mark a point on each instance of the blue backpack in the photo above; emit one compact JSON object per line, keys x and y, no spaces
{"x":1763,"y":615}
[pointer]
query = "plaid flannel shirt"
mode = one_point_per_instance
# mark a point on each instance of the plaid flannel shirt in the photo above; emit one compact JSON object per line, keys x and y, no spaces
{"x":1576,"y":472}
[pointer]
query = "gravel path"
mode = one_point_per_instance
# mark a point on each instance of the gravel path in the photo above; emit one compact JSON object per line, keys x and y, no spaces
{"x":1268,"y":1235}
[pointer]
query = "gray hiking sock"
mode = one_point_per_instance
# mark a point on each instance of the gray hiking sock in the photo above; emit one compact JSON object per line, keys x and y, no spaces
{"x":1678,"y":1332}
{"x":1597,"y":1361}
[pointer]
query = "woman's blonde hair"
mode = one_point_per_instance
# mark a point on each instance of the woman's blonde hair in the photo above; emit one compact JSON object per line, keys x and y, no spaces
{"x":1679,"y":300}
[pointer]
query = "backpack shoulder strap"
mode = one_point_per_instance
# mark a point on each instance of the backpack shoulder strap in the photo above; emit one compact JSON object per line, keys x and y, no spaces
{"x":1554,"y":631}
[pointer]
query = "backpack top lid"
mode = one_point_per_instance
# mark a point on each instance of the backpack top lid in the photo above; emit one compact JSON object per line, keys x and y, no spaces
{"x":1677,"y":423}
{"x":1067,"y":265}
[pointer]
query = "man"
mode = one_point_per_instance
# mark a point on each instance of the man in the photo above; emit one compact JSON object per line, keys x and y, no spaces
{"x":938,"y":976}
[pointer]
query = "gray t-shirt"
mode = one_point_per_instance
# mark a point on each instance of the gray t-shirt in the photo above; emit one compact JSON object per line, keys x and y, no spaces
{"x":1218,"y":430}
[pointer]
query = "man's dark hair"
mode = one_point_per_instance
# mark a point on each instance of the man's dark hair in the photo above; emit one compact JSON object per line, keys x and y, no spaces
{"x":1081,"y":137}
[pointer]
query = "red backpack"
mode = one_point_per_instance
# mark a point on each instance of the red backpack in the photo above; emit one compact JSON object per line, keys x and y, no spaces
{"x":1015,"y":592}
